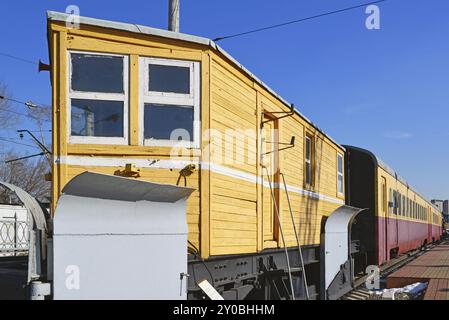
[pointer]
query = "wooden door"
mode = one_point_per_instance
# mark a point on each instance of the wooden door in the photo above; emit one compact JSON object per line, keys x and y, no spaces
{"x":270,"y":173}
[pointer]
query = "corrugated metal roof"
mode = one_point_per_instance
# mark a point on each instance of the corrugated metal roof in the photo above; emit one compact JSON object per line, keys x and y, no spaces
{"x":136,"y":28}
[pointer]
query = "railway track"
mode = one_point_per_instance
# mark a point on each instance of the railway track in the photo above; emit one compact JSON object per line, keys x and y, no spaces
{"x":360,"y":292}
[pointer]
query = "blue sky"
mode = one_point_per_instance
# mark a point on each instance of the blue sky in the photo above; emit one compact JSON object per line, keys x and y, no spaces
{"x":385,"y":90}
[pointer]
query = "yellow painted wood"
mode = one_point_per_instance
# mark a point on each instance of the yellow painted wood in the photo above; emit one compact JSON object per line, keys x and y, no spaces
{"x":123,"y":37}
{"x":259,"y":192}
{"x":269,"y":197}
{"x":101,"y":45}
{"x":206,"y":188}
{"x":54,"y":41}
{"x":225,"y":214}
{"x":122,"y":150}
{"x":62,"y":108}
{"x":134,"y":100}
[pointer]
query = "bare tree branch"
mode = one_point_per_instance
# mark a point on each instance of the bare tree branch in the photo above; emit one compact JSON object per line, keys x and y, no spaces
{"x":28,"y":174}
{"x":7,"y":119}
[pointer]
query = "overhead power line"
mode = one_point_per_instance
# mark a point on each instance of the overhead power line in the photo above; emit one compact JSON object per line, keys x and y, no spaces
{"x":22,"y":114}
{"x":10,"y":140}
{"x":33,"y":131}
{"x":29,"y":104}
{"x":17,"y":58}
{"x":297,"y":21}
{"x":15,"y":112}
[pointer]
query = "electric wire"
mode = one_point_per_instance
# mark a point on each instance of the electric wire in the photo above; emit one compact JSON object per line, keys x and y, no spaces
{"x":17,"y":58}
{"x":297,"y":20}
{"x":18,"y":143}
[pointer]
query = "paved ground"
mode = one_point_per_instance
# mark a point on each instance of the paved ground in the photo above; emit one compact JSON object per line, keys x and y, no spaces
{"x":431,"y":267}
{"x":13,"y":278}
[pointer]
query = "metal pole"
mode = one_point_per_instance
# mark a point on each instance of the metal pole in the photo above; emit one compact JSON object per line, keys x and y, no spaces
{"x":173,"y":15}
{"x":15,"y":234}
{"x":297,"y":237}
{"x":276,"y":209}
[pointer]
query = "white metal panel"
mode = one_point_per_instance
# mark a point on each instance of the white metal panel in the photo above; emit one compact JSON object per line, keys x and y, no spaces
{"x":130,"y":248}
{"x":337,"y":240}
{"x":9,"y":211}
{"x":37,"y":227}
{"x":90,"y":216}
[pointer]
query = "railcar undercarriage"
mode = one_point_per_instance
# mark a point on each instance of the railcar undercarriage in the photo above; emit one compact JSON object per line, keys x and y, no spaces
{"x":262,"y":276}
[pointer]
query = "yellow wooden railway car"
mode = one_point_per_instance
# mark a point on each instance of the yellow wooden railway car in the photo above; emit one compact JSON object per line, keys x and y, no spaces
{"x":177,"y":109}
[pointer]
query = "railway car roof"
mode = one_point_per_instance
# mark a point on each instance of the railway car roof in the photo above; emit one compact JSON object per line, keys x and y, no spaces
{"x":388,"y":169}
{"x":135,"y":28}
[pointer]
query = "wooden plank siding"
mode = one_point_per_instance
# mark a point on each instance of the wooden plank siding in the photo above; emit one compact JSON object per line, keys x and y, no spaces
{"x":224,"y":214}
{"x":235,"y":104}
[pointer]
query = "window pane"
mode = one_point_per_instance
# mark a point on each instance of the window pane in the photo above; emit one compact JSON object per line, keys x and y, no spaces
{"x":340,"y":185}
{"x":161,"y":121}
{"x":97,"y":73}
{"x":97,"y":118}
{"x":308,"y":148}
{"x":340,"y":164}
{"x":308,"y":174}
{"x":169,"y":79}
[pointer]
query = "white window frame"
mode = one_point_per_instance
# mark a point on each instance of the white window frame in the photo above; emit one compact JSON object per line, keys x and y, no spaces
{"x":71,"y":94}
{"x":169,"y":98}
{"x":341,"y":193}
{"x":309,"y":161}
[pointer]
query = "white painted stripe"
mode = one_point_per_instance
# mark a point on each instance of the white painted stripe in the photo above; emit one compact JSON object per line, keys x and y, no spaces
{"x":180,"y":164}
{"x":254,"y":179}
{"x":230,"y":172}
{"x":121,"y":162}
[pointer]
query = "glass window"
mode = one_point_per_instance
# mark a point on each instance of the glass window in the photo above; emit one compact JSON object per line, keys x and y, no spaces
{"x":98,"y":98}
{"x":97,"y":118}
{"x":167,"y":122}
{"x":403,"y":206}
{"x":97,"y":73}
{"x":170,"y":102}
{"x":406,"y":206}
{"x":308,"y":161}
{"x":163,"y":78}
{"x":395,"y":200}
{"x":390,"y":200}
{"x":339,"y":173}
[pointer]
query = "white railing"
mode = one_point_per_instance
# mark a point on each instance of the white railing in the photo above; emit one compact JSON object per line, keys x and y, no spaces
{"x":14,"y":237}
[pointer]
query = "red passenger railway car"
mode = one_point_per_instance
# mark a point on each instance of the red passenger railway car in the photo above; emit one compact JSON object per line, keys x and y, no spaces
{"x":397,"y":218}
